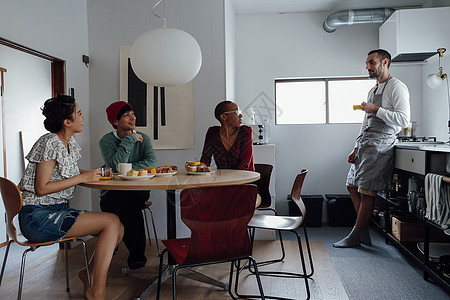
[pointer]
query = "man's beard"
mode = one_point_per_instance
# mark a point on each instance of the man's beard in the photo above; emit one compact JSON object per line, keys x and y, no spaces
{"x":377,"y":72}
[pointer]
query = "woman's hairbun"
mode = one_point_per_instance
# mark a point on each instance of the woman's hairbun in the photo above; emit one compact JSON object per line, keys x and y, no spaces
{"x":56,"y":110}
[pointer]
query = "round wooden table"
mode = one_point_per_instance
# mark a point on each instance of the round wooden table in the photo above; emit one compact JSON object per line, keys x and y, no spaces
{"x":179,"y":181}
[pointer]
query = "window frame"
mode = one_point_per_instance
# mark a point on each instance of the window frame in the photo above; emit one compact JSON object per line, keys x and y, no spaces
{"x":326,"y":80}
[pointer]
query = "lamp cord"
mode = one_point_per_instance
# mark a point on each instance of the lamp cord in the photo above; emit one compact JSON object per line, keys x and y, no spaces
{"x":163,"y":20}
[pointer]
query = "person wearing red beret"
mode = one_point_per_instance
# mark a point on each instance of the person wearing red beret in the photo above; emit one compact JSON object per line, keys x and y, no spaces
{"x":126,"y":145}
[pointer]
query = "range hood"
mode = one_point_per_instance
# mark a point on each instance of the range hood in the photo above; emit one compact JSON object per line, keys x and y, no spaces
{"x":414,"y":35}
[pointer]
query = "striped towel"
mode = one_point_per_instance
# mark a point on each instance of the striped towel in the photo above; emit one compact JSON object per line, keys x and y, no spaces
{"x":437,"y":199}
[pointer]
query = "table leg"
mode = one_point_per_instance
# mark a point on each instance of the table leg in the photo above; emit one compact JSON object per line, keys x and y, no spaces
{"x":171,"y":220}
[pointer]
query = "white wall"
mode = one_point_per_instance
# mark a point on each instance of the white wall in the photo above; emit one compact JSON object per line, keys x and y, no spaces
{"x":114,"y":23}
{"x":230,"y":46}
{"x":295,"y":45}
{"x":57,"y":28}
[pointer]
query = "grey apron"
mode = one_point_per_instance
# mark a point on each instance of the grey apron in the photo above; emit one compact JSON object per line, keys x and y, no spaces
{"x":374,"y":160}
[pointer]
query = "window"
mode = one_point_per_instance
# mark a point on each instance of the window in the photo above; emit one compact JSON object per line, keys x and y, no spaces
{"x":320,"y":100}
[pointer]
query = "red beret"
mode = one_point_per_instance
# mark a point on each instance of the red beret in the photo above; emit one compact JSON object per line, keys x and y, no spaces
{"x":113,"y":110}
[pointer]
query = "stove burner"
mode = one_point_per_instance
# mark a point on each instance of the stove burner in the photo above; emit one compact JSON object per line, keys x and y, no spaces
{"x":418,"y":139}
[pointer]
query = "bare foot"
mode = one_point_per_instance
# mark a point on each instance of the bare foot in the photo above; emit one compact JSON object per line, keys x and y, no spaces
{"x":92,"y":295}
{"x":84,"y":278}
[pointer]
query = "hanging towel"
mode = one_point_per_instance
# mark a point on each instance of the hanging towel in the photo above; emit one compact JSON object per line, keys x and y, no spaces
{"x":436,"y":197}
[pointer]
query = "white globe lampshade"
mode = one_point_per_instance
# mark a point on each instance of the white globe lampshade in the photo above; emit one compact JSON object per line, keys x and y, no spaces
{"x":434,"y":80}
{"x":166,"y":57}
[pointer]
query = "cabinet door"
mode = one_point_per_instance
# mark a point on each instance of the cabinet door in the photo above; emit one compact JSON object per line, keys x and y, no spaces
{"x":410,"y":160}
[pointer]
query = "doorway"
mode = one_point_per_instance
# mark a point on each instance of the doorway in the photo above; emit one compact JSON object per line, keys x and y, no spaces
{"x":30,"y":79}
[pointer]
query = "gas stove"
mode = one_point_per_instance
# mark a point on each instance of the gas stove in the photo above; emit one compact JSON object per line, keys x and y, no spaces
{"x":418,"y":139}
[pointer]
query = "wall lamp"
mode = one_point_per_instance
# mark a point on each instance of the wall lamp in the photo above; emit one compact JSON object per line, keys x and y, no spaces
{"x":435,"y":80}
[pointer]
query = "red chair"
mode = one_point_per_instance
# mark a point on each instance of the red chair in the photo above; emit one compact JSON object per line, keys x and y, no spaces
{"x":218,"y":219}
{"x":265,"y":171}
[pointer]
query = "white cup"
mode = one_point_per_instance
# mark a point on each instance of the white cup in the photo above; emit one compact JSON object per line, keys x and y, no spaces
{"x":123,"y":168}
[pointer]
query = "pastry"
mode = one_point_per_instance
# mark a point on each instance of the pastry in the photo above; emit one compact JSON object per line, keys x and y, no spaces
{"x":132,"y":173}
{"x":164,"y":169}
{"x":191,"y":164}
{"x":151,"y":170}
{"x":203,"y":168}
{"x":191,"y":168}
{"x":174,"y":168}
{"x":142,"y":172}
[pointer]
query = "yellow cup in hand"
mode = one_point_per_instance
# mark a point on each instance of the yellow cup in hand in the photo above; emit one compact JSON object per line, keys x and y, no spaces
{"x":355,"y":107}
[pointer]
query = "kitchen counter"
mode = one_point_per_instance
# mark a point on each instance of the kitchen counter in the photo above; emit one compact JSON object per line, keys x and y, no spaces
{"x":423,"y":146}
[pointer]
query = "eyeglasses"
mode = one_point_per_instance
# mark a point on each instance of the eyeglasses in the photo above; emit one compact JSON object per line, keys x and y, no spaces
{"x":237,"y":112}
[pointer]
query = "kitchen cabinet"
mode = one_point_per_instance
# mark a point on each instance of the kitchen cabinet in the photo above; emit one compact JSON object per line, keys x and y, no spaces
{"x":394,"y":207}
{"x":415,"y":32}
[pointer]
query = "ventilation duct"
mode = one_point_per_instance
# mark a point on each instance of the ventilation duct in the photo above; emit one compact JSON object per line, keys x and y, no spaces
{"x":356,"y":16}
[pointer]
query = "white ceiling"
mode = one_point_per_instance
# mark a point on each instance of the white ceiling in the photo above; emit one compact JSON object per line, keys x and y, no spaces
{"x":292,"y":6}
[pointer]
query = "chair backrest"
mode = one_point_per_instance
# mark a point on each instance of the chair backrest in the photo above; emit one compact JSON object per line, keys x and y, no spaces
{"x":263,"y":184}
{"x":12,"y":198}
{"x":297,"y":190}
{"x":218,"y":218}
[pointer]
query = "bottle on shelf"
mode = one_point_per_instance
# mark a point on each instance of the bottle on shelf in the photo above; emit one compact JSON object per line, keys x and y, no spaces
{"x":393,"y":192}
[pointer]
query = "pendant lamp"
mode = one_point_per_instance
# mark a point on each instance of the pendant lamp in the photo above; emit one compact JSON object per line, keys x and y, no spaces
{"x":165,"y":56}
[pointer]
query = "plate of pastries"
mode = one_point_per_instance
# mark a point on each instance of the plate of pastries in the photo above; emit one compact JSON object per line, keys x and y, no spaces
{"x":137,"y":175}
{"x":167,"y":170}
{"x":197,"y":168}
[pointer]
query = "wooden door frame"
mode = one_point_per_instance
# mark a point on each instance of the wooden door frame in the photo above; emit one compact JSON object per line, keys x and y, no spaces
{"x":58,"y":75}
{"x":2,"y":86}
{"x":57,"y":65}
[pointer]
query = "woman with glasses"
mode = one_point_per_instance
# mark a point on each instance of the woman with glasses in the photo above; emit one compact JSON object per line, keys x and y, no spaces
{"x":230,"y":143}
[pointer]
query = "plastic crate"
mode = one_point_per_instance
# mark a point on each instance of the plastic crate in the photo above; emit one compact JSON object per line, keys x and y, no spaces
{"x":340,"y":210}
{"x":313,"y":205}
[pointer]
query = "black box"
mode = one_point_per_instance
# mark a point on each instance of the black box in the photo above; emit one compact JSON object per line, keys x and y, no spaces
{"x":340,"y":210}
{"x":313,"y":205}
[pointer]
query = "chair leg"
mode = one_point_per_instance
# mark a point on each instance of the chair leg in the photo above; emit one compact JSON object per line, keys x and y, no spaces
{"x":303,"y":275}
{"x":303,"y":264}
{"x":261,"y":295}
{"x":146,"y":225}
{"x":86,"y":260}
{"x":174,"y":283}
{"x":66,"y":258}
{"x":158,"y":290}
{"x":4,"y":260}
{"x":154,"y":228}
{"x":154,"y":231}
{"x":309,"y":253}
{"x":268,"y":262}
{"x":22,"y":271}
{"x":230,"y":279}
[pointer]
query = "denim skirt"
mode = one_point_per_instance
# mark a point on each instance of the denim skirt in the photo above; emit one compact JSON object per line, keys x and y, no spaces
{"x":45,"y":223}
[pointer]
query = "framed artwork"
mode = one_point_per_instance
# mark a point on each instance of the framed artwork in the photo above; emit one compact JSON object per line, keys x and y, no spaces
{"x":165,"y":114}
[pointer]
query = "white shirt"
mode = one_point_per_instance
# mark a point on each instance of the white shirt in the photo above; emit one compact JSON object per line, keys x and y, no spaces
{"x":395,"y":109}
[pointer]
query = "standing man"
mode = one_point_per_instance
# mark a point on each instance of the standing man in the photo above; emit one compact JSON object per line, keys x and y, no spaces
{"x":126,"y":145}
{"x":387,"y":112}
